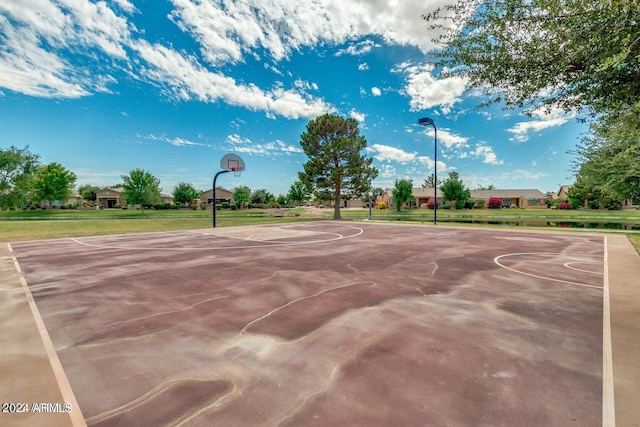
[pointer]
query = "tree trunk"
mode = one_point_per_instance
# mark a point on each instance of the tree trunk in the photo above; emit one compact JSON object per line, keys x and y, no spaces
{"x":336,"y":207}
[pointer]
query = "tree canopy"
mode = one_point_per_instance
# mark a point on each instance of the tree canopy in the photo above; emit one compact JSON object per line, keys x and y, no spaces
{"x":430,"y":182}
{"x":16,"y":167}
{"x":88,"y":192}
{"x":336,"y":167}
{"x":402,"y":192}
{"x":570,"y":54}
{"x":53,"y":182}
{"x":184,"y":193}
{"x":578,"y":55}
{"x":261,"y":196}
{"x":454,"y":189}
{"x":608,"y":161}
{"x":241,"y":195}
{"x":141,"y":187}
{"x":298,"y":192}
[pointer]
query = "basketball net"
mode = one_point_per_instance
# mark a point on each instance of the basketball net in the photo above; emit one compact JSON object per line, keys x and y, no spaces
{"x":236,"y":172}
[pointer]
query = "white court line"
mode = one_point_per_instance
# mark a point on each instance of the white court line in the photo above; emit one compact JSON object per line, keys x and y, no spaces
{"x":243,"y":331}
{"x":77,"y":419}
{"x":265,"y":245}
{"x":496,"y":260}
{"x":608,"y":403}
{"x":568,"y":265}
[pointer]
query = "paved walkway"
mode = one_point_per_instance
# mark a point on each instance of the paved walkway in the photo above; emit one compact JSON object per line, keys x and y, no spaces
{"x":31,"y":371}
{"x":624,"y":294}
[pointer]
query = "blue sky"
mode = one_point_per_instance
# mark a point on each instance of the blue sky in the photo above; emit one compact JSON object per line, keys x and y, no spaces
{"x":104,"y":87}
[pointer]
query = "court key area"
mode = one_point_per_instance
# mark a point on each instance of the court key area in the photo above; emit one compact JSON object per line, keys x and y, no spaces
{"x":327,"y":323}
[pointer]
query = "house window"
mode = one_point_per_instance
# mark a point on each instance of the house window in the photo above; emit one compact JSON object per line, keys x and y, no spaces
{"x":533,"y":202}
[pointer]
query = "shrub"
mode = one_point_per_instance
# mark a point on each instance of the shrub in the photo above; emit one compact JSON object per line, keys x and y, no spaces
{"x":469,"y":204}
{"x":460,"y":205}
{"x":382,"y":205}
{"x":594,"y":204}
{"x":430,"y":204}
{"x":575,"y":203}
{"x":564,"y":205}
{"x":494,"y":203}
{"x":481,"y":203}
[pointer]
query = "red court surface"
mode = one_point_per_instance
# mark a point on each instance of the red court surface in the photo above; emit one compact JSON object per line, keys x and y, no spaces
{"x":327,"y":323}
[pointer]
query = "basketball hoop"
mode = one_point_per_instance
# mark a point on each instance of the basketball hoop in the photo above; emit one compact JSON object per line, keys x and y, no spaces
{"x":232,"y":163}
{"x":229,"y":163}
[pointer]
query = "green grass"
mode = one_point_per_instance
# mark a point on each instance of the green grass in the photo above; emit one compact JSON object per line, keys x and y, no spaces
{"x":38,"y":225}
{"x":635,"y":239}
{"x":45,"y":224}
{"x":628,"y":216}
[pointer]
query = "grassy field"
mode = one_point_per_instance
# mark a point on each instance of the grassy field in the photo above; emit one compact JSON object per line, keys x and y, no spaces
{"x":36,"y":225}
{"x":45,"y":224}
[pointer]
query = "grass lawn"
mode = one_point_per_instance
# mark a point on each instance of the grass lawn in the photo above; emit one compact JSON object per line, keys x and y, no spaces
{"x":45,"y":224}
{"x":37,"y":225}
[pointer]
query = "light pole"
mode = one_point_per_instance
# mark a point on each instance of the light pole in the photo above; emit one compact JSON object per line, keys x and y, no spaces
{"x":215,"y":178}
{"x":426,"y":121}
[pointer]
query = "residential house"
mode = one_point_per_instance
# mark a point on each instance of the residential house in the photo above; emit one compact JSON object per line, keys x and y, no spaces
{"x":563,"y":192}
{"x":110,"y":198}
{"x":520,"y":198}
{"x":114,"y":197}
{"x":222,"y":195}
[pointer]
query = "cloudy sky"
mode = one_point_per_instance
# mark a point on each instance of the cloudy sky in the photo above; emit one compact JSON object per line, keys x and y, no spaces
{"x":104,"y":87}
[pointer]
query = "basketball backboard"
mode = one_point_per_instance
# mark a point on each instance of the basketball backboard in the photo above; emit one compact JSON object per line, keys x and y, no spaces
{"x":232,"y":162}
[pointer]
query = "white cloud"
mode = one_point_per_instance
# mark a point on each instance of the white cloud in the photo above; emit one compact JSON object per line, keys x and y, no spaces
{"x":237,"y":139}
{"x":177,"y":141}
{"x":125,"y":5}
{"x":487,"y":154}
{"x":227,"y":33}
{"x":543,"y":120}
{"x":186,"y":79}
{"x":448,"y":139}
{"x":425,"y":91}
{"x":277,"y":147}
{"x":358,"y":49}
{"x":387,"y":171}
{"x":363,"y":67}
{"x":357,"y":115}
{"x":376,"y":91}
{"x":70,"y":49}
{"x":385,"y":153}
{"x":429,"y":163}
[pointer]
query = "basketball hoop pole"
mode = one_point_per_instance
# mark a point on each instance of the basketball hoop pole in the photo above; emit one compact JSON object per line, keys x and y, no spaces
{"x":215,"y":178}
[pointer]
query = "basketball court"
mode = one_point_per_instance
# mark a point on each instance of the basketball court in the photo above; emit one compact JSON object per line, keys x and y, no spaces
{"x":328,"y":323}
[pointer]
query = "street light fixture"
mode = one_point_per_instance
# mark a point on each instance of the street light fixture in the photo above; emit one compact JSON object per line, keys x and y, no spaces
{"x":426,"y":121}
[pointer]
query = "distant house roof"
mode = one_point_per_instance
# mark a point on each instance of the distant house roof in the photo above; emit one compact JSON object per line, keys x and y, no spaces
{"x":484,"y":194}
{"x":221,"y":193}
{"x":505,"y":194}
{"x":564,"y":189}
{"x":114,"y":189}
{"x":424,"y":192}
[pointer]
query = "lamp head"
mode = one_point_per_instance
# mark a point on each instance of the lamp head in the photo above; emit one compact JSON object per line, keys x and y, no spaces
{"x":425,"y":121}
